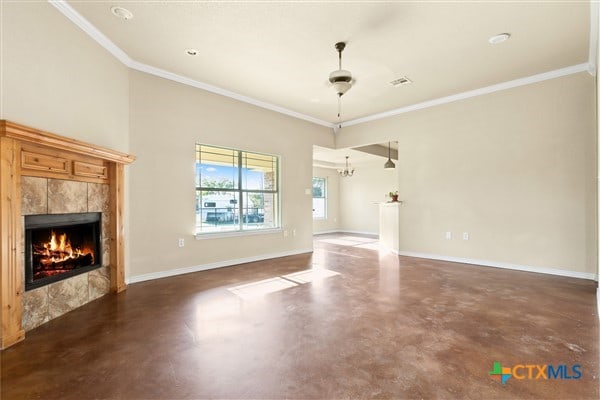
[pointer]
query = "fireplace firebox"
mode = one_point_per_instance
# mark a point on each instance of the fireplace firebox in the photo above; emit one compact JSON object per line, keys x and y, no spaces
{"x":59,"y":246}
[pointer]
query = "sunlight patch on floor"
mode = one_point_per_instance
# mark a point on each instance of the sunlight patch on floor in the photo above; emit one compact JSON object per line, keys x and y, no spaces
{"x":310,"y":275}
{"x":353,"y":241}
{"x":261,"y":288}
{"x":370,"y":246}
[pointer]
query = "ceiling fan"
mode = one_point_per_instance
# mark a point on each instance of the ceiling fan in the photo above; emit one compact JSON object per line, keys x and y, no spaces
{"x":340,"y":79}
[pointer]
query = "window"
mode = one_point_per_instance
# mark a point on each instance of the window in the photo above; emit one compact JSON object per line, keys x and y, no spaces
{"x":319,"y":198}
{"x":235,"y":190}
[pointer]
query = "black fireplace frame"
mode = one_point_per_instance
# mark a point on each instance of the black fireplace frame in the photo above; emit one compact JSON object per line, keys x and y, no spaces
{"x":46,"y":221}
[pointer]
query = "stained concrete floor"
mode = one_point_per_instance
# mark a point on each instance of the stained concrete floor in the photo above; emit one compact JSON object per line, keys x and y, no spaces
{"x":346,"y":322}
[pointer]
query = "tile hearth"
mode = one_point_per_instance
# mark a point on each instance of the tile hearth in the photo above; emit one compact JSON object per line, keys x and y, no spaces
{"x":55,"y":196}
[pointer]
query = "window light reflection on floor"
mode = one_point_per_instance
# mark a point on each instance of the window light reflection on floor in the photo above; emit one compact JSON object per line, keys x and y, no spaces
{"x":310,"y":275}
{"x":368,"y":243}
{"x":261,"y":288}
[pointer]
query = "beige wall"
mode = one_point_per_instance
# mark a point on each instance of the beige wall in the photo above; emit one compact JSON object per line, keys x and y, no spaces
{"x":360,"y":194}
{"x":332,"y":222}
{"x":167,"y":119}
{"x":56,"y":78}
{"x":516,"y":169}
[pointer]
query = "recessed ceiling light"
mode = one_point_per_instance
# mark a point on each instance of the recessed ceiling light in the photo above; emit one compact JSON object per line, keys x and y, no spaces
{"x":502,"y":37}
{"x":121,"y":12}
{"x":315,"y":100}
{"x":191,"y":52}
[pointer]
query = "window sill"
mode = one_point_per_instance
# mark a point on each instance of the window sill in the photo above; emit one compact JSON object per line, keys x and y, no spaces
{"x":218,"y":235}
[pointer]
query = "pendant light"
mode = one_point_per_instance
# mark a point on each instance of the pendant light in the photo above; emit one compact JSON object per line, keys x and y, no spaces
{"x":347,"y":172}
{"x":389,"y":164}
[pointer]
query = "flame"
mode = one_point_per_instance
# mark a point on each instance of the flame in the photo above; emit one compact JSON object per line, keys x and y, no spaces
{"x":61,"y":249}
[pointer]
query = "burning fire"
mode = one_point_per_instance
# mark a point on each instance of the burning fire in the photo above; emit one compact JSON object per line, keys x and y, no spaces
{"x":59,"y":250}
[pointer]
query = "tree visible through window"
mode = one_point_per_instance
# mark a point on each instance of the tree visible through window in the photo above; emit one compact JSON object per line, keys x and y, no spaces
{"x":235,"y":190}
{"x":319,"y":189}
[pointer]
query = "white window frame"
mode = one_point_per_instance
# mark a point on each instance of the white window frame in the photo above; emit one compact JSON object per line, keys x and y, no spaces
{"x":324,"y":197}
{"x":240,"y":191}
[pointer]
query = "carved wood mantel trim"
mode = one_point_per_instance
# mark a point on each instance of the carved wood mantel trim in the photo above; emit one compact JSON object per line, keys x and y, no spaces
{"x":24,"y":133}
{"x":32,"y":152}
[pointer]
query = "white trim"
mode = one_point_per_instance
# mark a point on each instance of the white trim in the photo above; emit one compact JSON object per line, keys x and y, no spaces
{"x":574,"y":69}
{"x":598,"y":302}
{"x":91,"y":30}
{"x":593,"y":52}
{"x":104,"y":41}
{"x":204,"y":267}
{"x":223,"y":92}
{"x":517,"y":267}
{"x":376,"y":234}
{"x":325,"y":232}
{"x":218,"y":235}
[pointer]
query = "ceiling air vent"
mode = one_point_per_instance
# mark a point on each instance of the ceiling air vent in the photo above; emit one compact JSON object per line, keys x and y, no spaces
{"x":401,"y":81}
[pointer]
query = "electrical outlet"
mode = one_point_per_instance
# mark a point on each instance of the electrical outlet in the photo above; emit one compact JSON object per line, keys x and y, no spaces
{"x":293,"y":232}
{"x":465,"y":235}
{"x":285,"y":233}
{"x":448,"y":235}
{"x":181,"y":242}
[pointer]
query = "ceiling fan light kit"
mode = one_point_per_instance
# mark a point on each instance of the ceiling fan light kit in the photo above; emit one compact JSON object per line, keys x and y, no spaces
{"x":340,"y":79}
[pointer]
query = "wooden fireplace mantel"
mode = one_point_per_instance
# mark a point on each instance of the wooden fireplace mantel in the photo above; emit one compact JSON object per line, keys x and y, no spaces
{"x":26,"y":151}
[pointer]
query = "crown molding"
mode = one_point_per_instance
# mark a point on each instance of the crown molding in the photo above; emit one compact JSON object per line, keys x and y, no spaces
{"x":138,"y":66}
{"x":102,"y":40}
{"x":91,"y":30}
{"x":574,"y":69}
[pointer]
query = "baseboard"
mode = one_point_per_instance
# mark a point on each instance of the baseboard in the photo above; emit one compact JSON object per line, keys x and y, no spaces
{"x":598,"y":302}
{"x":517,"y":267}
{"x":204,"y":267}
{"x":376,"y":234}
{"x":326,"y":232}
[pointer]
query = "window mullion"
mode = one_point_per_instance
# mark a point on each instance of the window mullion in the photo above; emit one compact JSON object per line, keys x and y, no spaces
{"x":218,"y":167}
{"x":240,"y":196}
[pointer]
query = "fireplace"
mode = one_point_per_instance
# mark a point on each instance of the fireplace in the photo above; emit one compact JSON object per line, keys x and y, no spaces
{"x":59,"y":246}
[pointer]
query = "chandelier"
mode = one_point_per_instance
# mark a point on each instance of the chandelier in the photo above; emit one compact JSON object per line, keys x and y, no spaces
{"x":346,"y":172}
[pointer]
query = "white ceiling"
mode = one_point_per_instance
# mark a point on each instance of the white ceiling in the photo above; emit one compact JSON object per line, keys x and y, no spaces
{"x":282,"y":52}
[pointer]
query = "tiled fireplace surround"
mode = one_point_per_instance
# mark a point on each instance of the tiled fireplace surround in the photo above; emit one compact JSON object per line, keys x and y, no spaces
{"x":57,"y":196}
{"x":45,"y":173}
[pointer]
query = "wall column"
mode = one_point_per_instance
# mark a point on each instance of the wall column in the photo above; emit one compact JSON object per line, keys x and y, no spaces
{"x":11,"y":268}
